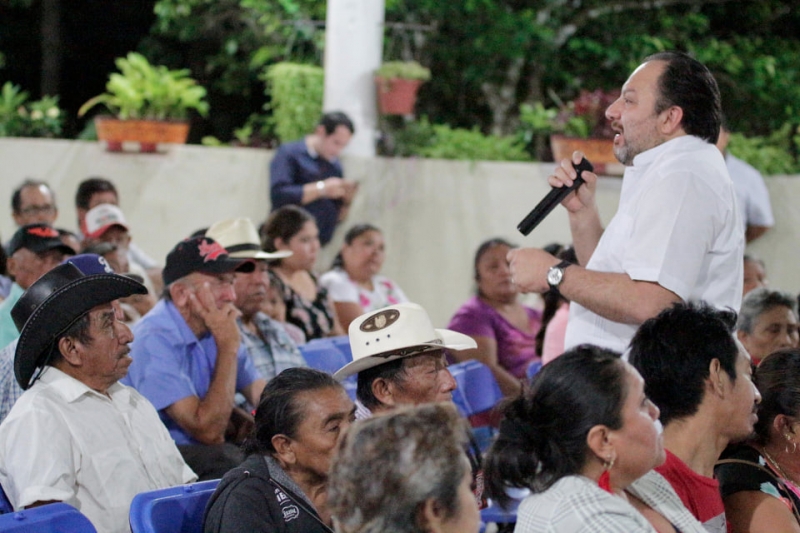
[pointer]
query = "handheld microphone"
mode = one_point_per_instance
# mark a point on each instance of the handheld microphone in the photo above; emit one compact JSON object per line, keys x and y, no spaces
{"x":552,"y":199}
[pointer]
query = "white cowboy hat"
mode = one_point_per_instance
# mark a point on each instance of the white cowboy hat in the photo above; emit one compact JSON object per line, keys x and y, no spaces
{"x":240,"y":238}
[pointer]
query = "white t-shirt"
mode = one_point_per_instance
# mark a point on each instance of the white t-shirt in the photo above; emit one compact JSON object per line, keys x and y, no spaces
{"x":677,"y":225}
{"x":342,"y":289}
{"x":751,"y":192}
{"x":66,"y":442}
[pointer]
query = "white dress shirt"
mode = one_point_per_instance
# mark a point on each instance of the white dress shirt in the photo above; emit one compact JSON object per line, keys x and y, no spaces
{"x":66,"y":442}
{"x":677,"y":225}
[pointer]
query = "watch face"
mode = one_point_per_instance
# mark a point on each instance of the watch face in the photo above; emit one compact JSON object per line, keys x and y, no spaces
{"x":554,"y":276}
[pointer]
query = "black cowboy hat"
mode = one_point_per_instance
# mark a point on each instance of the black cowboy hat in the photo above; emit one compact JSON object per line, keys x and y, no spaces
{"x":52,"y":304}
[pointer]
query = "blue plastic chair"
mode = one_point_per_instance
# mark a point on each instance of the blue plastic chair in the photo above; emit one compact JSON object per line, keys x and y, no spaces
{"x":5,"y":504}
{"x":533,"y":369}
{"x":50,"y":518}
{"x":478,"y":386}
{"x":178,"y":509}
{"x":323,"y":356}
{"x":342,"y":343}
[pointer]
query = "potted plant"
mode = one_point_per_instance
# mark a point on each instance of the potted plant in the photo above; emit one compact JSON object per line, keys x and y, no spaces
{"x":150,"y":104}
{"x":398,"y":83}
{"x":577,"y":125}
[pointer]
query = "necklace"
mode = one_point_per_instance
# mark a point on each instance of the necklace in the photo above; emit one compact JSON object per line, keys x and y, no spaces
{"x":777,"y":466}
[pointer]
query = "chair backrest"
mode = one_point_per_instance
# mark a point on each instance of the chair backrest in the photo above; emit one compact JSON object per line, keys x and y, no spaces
{"x":478,"y":386}
{"x":50,"y":518}
{"x":533,"y":369}
{"x":343,"y":344}
{"x":172,"y":510}
{"x":323,"y":356}
{"x":5,"y":504}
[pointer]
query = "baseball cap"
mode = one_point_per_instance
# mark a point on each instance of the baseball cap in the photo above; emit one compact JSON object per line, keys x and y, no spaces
{"x":102,"y":217}
{"x":37,"y":238}
{"x":201,"y":254}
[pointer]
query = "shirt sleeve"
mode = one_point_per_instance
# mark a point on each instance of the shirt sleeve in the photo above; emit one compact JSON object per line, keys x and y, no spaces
{"x":285,"y":188}
{"x":246,"y":371}
{"x":339,"y":286}
{"x":38,"y":459}
{"x":673,"y":231}
{"x":156,"y":372}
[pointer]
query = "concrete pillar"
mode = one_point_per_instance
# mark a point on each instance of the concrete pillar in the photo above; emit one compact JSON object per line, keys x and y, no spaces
{"x":353,"y":50}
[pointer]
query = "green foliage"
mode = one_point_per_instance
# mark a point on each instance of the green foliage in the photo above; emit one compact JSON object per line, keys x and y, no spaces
{"x":409,"y":70}
{"x":144,"y":91}
{"x":472,"y":145}
{"x":772,"y":154}
{"x":297,"y":93}
{"x":20,"y":118}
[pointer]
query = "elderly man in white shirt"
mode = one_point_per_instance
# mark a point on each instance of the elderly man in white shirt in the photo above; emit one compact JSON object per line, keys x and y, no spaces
{"x":76,"y":435}
{"x":677,"y":234}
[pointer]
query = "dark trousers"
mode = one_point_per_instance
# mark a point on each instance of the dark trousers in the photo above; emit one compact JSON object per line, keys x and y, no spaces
{"x":211,"y":461}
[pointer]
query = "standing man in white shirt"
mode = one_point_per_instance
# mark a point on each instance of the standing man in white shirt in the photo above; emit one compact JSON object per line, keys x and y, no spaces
{"x":755,"y":208}
{"x":676,"y":235}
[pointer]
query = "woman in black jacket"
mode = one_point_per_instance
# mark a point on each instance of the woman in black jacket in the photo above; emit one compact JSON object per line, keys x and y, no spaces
{"x":282,"y":486}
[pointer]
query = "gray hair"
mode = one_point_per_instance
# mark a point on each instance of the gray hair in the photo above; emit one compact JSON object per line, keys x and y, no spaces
{"x":759,"y":301}
{"x":389,"y":465}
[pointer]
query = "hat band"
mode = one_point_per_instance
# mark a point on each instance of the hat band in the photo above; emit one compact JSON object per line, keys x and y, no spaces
{"x":242,"y":247}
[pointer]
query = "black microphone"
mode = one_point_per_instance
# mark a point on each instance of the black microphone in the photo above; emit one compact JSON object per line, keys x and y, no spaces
{"x":553,"y":198}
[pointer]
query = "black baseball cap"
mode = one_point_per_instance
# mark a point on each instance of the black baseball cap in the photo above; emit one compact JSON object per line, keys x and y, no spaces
{"x":37,"y":238}
{"x":201,"y":254}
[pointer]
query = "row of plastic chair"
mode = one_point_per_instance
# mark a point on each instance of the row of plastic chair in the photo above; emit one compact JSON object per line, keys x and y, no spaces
{"x":327,"y":354}
{"x":50,"y":518}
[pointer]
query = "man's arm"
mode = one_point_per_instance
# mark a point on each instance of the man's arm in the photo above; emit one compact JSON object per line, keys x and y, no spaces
{"x":613,"y":296}
{"x":754,"y":232}
{"x":206,"y":419}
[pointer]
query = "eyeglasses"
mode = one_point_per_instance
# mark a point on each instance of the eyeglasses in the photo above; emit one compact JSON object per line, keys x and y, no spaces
{"x":38,"y":209}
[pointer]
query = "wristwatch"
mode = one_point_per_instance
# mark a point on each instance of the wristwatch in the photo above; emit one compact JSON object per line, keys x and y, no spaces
{"x":556,"y":274}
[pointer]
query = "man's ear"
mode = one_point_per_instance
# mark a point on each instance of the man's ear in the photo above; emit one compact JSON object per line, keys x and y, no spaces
{"x":179,"y":293}
{"x":671,"y":119}
{"x":383,"y":390}
{"x":11,"y":267}
{"x":68,"y":347}
{"x":715,"y":382}
{"x":430,"y":516}
{"x":284,"y":449}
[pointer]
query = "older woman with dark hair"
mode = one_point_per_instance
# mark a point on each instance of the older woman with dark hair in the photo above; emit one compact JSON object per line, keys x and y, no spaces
{"x":292,"y":228}
{"x":283,"y":484}
{"x":583,"y":438}
{"x":404,"y":472}
{"x":767,"y":322}
{"x":354,"y":282}
{"x":760,"y":480}
{"x":504,"y":329}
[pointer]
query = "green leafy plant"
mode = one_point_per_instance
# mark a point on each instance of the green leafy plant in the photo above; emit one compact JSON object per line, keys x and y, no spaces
{"x":20,"y":118}
{"x":145,"y":91}
{"x":409,"y":70}
{"x":772,"y":154}
{"x":296,"y":93}
{"x":582,"y":117}
{"x":472,"y":145}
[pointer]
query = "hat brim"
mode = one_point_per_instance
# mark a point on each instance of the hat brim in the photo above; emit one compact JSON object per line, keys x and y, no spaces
{"x":225,"y":266}
{"x":59,"y":311}
{"x":260,"y":254}
{"x":99,"y":232}
{"x":450,"y":340}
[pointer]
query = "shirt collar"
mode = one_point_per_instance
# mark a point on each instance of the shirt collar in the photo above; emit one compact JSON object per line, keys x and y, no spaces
{"x":648,"y":156}
{"x":71,"y":389}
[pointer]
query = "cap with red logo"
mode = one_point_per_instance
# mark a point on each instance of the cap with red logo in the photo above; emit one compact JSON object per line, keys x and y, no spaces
{"x":201,"y":254}
{"x":37,"y":238}
{"x":101,"y":218}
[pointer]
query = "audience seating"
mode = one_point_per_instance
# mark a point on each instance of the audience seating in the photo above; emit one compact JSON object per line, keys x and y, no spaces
{"x":342,"y":343}
{"x":50,"y":518}
{"x":477,"y":385}
{"x":172,"y":510}
{"x":533,"y":369}
{"x":323,"y":354}
{"x":5,"y":505}
{"x":494,"y":514}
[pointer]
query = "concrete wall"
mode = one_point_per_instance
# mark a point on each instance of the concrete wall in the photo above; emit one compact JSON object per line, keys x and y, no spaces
{"x":433,"y":213}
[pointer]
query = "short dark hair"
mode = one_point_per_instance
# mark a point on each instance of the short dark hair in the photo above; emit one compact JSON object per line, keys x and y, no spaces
{"x":351,"y":235}
{"x":542,"y":437}
{"x":91,"y":186}
{"x":689,"y":84}
{"x":777,"y":378}
{"x":283,"y":223}
{"x":673,"y":352}
{"x":330,"y":121}
{"x":279,"y":412}
{"x":16,"y":196}
{"x":390,"y":371}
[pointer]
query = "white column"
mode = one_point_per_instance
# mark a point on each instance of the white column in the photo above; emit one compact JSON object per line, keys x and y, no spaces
{"x":353,"y":50}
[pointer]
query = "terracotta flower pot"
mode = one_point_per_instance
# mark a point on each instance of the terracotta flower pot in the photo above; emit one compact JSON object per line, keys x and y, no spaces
{"x":600,"y":152}
{"x":397,"y":96}
{"x":147,"y":133}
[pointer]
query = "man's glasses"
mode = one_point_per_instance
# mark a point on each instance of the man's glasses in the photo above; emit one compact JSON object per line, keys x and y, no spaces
{"x":38,"y":209}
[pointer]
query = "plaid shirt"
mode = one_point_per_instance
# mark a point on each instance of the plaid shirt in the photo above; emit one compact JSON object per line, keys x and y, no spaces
{"x":273,"y":351}
{"x":9,"y":388}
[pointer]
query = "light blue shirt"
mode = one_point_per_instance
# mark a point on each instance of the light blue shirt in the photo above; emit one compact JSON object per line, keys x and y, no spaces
{"x":8,"y":330}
